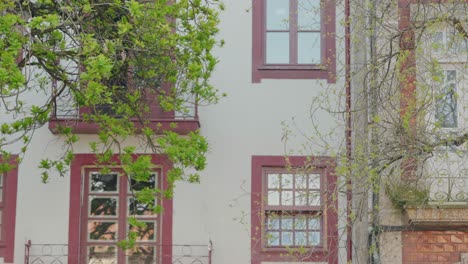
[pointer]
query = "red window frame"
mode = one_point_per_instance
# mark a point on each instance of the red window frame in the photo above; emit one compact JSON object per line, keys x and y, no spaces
{"x":326,"y":70}
{"x":80,"y":168}
{"x":327,"y":250}
{"x":8,"y":210}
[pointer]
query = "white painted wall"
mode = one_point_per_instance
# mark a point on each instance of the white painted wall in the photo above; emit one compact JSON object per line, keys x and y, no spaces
{"x":247,"y":122}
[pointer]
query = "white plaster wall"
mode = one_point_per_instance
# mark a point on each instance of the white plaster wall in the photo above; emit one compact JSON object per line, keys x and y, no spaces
{"x":248,"y":122}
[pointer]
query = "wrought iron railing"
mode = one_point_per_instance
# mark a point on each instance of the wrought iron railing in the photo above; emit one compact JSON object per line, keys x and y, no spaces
{"x":58,"y":254}
{"x":447,"y":186}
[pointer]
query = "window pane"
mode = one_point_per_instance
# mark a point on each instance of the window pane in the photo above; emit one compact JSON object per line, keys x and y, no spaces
{"x":314,"y":198}
{"x":145,"y":233}
{"x":286,"y":238}
{"x":314,"y":181}
{"x":308,"y":14}
{"x":314,"y":223}
{"x":446,"y":103}
{"x":300,"y":239}
{"x":272,"y":238}
{"x":314,"y":238}
{"x":102,"y":254}
{"x":1,"y":180}
{"x":142,"y":255}
{"x":273,"y":198}
{"x":308,"y":50}
{"x":277,"y":14}
{"x":287,"y":198}
{"x":287,"y":222}
{"x":300,"y":181}
{"x":103,"y":182}
{"x":98,"y":230}
{"x":273,"y":222}
{"x":103,"y":206}
{"x":300,"y":223}
{"x":287,"y":181}
{"x":277,"y":47}
{"x":140,"y":209}
{"x":140,"y":185}
{"x":301,"y":198}
{"x":273,"y":181}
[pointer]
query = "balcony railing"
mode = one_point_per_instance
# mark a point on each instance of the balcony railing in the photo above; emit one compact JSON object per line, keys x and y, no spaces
{"x":58,"y":254}
{"x":449,"y":187}
{"x":67,"y":114}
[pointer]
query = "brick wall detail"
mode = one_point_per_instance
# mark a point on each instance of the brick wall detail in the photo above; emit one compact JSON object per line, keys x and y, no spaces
{"x":431,"y":247}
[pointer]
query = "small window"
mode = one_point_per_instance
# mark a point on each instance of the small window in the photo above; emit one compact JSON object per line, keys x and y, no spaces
{"x":446,"y":107}
{"x":293,"y":39}
{"x":292,"y":209}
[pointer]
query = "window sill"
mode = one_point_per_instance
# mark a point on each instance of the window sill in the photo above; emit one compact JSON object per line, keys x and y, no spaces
{"x":318,"y":72}
{"x":293,"y":67}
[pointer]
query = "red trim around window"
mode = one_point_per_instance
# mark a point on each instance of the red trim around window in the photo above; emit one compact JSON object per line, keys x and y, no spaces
{"x":77,"y":172}
{"x":326,"y":70}
{"x":328,"y":251}
{"x":10,"y":185}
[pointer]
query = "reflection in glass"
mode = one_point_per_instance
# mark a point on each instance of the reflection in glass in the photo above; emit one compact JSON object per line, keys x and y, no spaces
{"x":273,"y":222}
{"x":287,"y":181}
{"x":103,"y":206}
{"x":102,"y":254}
{"x":314,"y":223}
{"x":99,"y":230}
{"x":103,"y":182}
{"x":286,"y":238}
{"x":136,"y":207}
{"x":141,"y":255}
{"x":314,"y":181}
{"x":300,"y":181}
{"x":301,"y":198}
{"x":145,"y":233}
{"x":300,"y":239}
{"x":314,"y":238}
{"x":273,"y":238}
{"x":446,"y":103}
{"x":277,"y":47}
{"x":140,"y":185}
{"x":308,"y":51}
{"x":287,"y":198}
{"x":277,"y":14}
{"x":300,"y":222}
{"x":314,"y":198}
{"x":287,"y":222}
{"x":308,"y":14}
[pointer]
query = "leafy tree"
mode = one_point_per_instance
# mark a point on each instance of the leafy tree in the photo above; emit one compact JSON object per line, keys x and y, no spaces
{"x":116,"y":59}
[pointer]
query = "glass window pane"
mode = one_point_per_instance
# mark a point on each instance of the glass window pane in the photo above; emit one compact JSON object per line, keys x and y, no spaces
{"x":287,"y":181}
{"x":140,"y":185}
{"x":273,"y":222}
{"x":314,"y":198}
{"x":273,"y":181}
{"x":286,"y":238}
{"x":99,"y":230}
{"x":300,"y":222}
{"x":314,"y":181}
{"x":277,"y":14}
{"x":273,"y":198}
{"x":144,"y":233}
{"x":314,"y":223}
{"x":300,"y":181}
{"x":314,"y":238}
{"x":1,"y":180}
{"x":300,"y":238}
{"x":103,"y":182}
{"x":446,"y":103}
{"x":103,"y":206}
{"x":102,"y":254}
{"x":272,"y":238}
{"x":138,"y":208}
{"x":277,"y":48}
{"x":308,"y":48}
{"x":141,"y":255}
{"x":287,"y":222}
{"x":286,"y":198}
{"x":308,"y":14}
{"x":301,"y":198}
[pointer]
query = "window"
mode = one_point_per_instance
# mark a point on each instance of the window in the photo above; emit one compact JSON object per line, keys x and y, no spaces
{"x":105,"y":209}
{"x":8,"y":187}
{"x":293,"y":39}
{"x":446,"y":109}
{"x":293,"y":211}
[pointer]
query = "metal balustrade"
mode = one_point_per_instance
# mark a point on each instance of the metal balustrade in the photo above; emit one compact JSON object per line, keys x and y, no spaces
{"x":58,"y":254}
